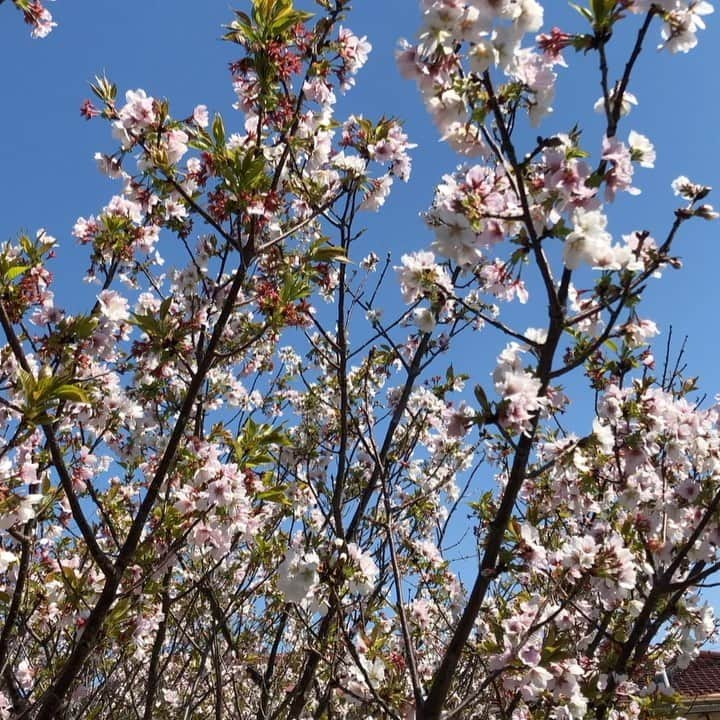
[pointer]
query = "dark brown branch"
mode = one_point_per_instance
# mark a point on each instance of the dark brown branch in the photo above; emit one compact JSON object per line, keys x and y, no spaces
{"x":153,"y":670}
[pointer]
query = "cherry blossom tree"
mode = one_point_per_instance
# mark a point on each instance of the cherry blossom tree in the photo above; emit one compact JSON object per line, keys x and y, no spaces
{"x":234,"y":487}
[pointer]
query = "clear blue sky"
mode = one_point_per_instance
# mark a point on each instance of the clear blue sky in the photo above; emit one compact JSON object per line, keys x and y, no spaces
{"x":172,"y":49}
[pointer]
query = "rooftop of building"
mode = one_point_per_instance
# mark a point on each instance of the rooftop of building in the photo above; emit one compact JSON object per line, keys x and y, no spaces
{"x":701,"y":677}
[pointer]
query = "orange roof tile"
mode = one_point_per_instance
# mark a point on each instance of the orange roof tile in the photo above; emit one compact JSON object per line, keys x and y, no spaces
{"x":700,"y":677}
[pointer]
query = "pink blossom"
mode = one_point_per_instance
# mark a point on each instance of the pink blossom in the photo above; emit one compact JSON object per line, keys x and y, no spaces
{"x":377,"y":194}
{"x":175,"y":144}
{"x":113,"y":306}
{"x":588,"y":242}
{"x":200,"y":116}
{"x":353,"y":50}
{"x":420,"y":274}
{"x":619,"y":176}
{"x":138,"y":112}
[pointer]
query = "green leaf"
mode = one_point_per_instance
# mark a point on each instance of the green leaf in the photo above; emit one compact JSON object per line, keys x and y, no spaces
{"x":329,"y":253}
{"x":218,"y":128}
{"x":26,"y":244}
{"x":72,"y":393}
{"x":252,"y":448}
{"x":84,"y":326}
{"x":287,"y":18}
{"x":583,"y":11}
{"x":27,"y":380}
{"x":165,"y":306}
{"x":243,"y":18}
{"x":482,"y":399}
{"x":583,"y":42}
{"x":15,"y":271}
{"x":274,"y":495}
{"x":147,"y":323}
{"x":104,"y":89}
{"x":576,"y":152}
{"x":603,"y":12}
{"x":251,"y":172}
{"x":201,"y":141}
{"x":294,"y":288}
{"x":611,"y":344}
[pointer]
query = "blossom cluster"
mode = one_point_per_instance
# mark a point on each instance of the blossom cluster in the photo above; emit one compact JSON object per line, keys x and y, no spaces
{"x":37,"y":16}
{"x":243,"y":484}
